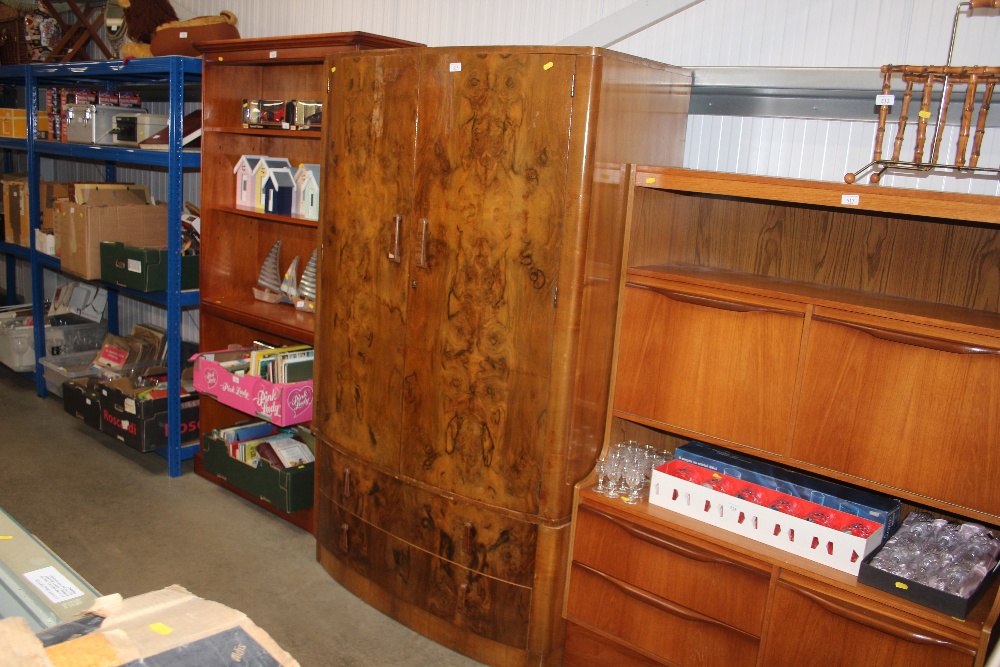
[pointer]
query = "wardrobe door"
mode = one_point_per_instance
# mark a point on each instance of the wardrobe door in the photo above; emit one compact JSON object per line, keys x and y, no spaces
{"x":361,"y":311}
{"x":492,"y":156}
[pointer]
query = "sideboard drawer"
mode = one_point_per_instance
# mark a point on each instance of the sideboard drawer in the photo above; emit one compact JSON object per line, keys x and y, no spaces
{"x":653,"y":624}
{"x":709,"y":361}
{"x":809,"y":624}
{"x":700,"y":578}
{"x":479,"y":604}
{"x":471,"y":536}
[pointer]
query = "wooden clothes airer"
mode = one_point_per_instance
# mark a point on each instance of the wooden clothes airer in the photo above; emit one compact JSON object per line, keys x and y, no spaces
{"x":925,"y":78}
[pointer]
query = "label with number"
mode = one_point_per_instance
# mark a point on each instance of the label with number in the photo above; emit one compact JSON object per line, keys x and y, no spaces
{"x":885,"y":100}
{"x":850,"y":200}
{"x":454,"y":67}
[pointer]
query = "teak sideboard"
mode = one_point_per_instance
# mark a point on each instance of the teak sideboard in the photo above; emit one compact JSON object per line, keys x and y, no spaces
{"x":850,"y":332}
{"x":471,"y":244}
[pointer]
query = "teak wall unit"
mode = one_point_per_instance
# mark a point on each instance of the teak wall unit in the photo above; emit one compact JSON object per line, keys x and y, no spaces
{"x":235,"y":241}
{"x":473,"y":216}
{"x":847,"y":331}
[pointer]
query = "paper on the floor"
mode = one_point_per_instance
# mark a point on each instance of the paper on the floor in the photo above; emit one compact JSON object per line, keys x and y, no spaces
{"x":165,"y":628}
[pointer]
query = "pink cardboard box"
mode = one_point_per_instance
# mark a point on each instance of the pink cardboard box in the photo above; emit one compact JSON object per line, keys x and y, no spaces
{"x":281,"y":404}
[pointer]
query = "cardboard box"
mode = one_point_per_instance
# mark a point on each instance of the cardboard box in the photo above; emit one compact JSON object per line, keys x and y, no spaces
{"x":828,"y":546}
{"x":165,"y":627}
{"x":13,"y":123}
{"x":17,"y":229}
{"x":138,"y":416}
{"x":873,"y":506}
{"x":82,"y":399}
{"x":289,"y":490}
{"x":106,"y":215}
{"x":143,"y":269}
{"x":950,"y":604}
{"x":281,"y":404}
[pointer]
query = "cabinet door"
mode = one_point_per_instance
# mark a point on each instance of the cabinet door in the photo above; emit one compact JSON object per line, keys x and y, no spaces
{"x":492,"y":156}
{"x":879,"y":397}
{"x":361,"y":312}
{"x":698,"y":577}
{"x":820,"y":627}
{"x":709,"y":361}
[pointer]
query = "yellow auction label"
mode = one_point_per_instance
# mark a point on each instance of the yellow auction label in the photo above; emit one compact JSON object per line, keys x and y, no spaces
{"x":900,"y":584}
{"x":161,"y":628}
{"x":651,"y":180}
{"x":547,"y":66}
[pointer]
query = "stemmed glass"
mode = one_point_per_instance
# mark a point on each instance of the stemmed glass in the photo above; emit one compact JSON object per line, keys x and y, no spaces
{"x":601,"y":469}
{"x":613,"y":469}
{"x":635,"y":479}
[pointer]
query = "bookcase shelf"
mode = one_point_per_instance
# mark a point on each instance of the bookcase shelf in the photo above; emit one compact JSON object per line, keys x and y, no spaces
{"x":235,"y":241}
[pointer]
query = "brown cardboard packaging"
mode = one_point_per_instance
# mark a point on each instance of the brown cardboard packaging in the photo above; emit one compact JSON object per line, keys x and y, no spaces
{"x":105,"y":214}
{"x":165,"y":627}
{"x":17,"y":228}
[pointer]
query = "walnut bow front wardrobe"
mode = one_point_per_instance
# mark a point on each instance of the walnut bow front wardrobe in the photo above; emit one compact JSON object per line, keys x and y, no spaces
{"x":471,"y":240}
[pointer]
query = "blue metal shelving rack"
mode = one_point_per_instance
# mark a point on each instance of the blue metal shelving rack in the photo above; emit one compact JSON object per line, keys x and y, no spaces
{"x":172,"y":72}
{"x":15,"y":75}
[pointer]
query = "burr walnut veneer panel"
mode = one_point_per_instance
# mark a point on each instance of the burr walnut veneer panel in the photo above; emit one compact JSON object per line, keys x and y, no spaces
{"x":475,"y":204}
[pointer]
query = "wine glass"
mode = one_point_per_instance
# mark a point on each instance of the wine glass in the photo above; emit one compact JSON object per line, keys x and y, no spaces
{"x":601,"y":469}
{"x":613,"y":469}
{"x":635,"y":479}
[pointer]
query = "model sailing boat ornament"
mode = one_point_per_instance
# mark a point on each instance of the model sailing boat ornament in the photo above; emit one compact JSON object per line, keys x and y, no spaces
{"x":269,"y":284}
{"x":290,"y":285}
{"x":307,"y":286}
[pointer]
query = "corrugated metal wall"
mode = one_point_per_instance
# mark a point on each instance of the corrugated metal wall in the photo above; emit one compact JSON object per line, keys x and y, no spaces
{"x":744,"y":33}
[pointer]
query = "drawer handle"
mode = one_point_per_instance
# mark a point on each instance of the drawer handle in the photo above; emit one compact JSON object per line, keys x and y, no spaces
{"x":658,"y":602}
{"x":344,"y":537}
{"x":907,"y":634}
{"x":713,"y":302}
{"x":686,"y":551}
{"x":918,"y":340}
{"x":345,"y":491}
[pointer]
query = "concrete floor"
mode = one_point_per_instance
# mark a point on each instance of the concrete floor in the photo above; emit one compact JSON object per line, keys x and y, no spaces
{"x":116,"y":518}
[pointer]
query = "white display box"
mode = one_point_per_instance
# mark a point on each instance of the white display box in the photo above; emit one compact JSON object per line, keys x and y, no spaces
{"x":827,"y":546}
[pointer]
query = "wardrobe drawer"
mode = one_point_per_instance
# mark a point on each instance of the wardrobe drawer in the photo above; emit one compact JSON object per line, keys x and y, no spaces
{"x":653,"y":624}
{"x":485,"y":606}
{"x":696,"y":576}
{"x":809,"y":624}
{"x":709,"y":361}
{"x":471,"y":536}
{"x":880,"y":398}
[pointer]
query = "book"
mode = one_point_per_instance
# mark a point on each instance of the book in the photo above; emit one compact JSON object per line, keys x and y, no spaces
{"x":286,"y":453}
{"x":191,"y":138}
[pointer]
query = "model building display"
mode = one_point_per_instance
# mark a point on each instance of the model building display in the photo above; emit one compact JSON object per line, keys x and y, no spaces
{"x":271,"y":185}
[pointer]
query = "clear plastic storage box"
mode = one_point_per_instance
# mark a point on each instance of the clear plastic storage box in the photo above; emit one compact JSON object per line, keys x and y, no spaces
{"x":70,"y":366}
{"x":64,"y":335}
